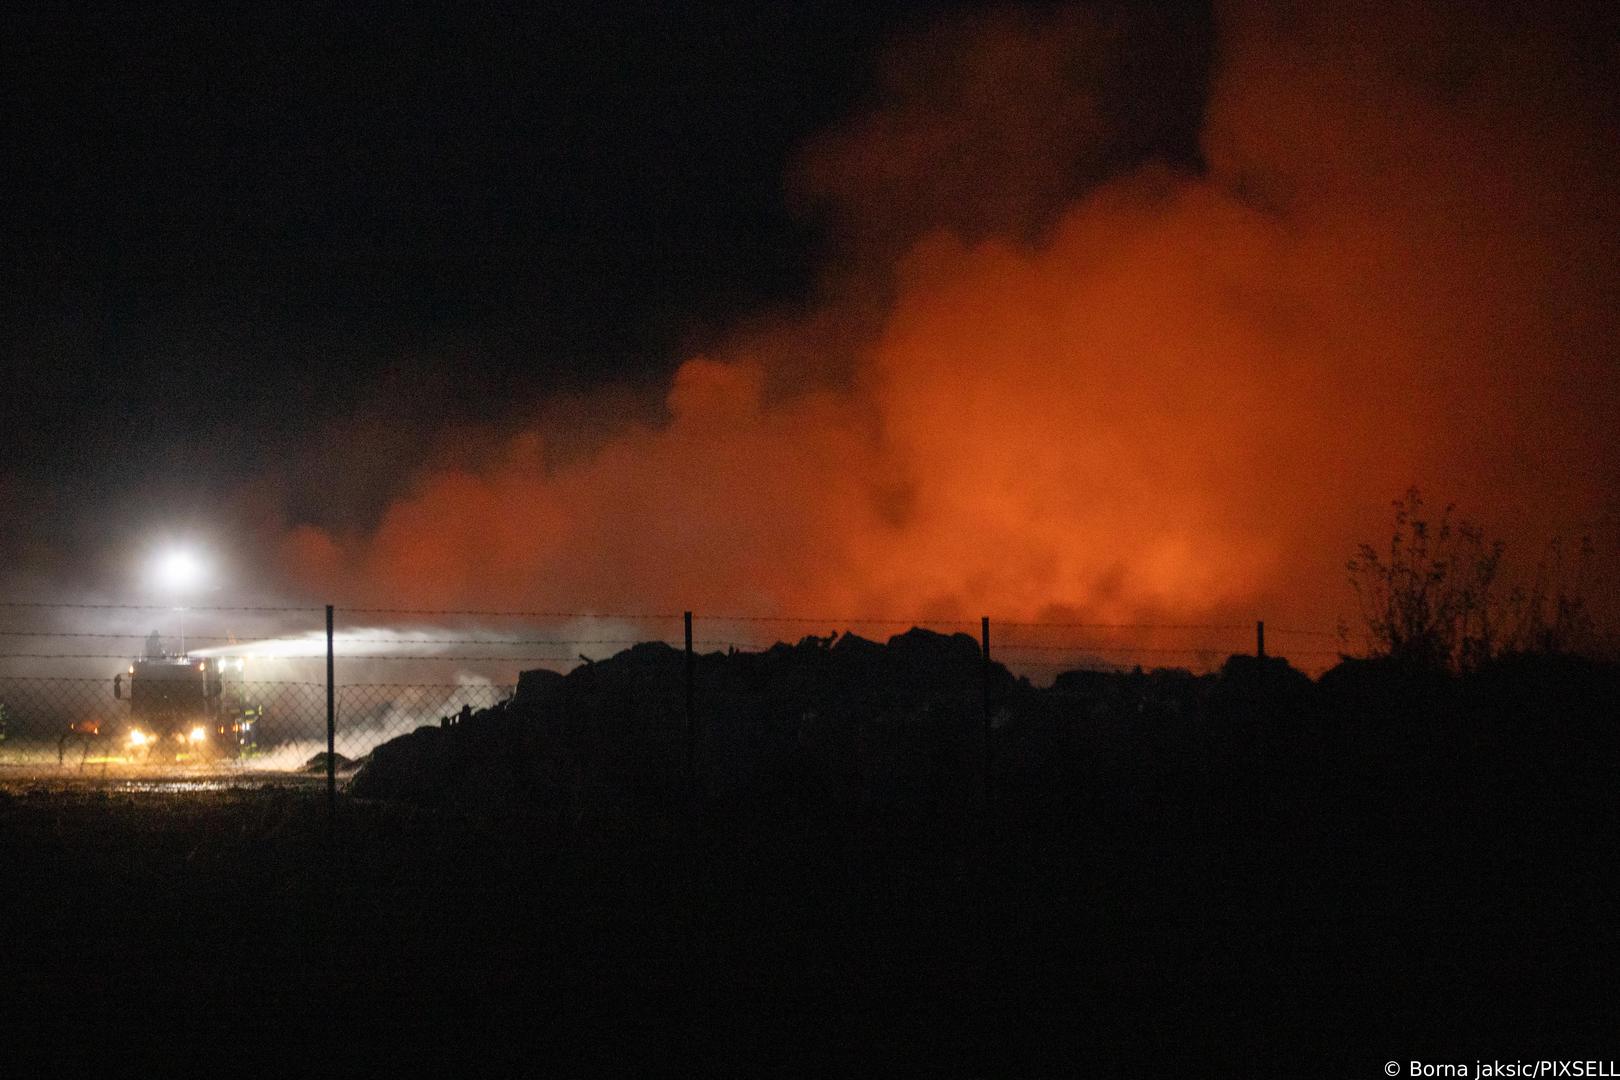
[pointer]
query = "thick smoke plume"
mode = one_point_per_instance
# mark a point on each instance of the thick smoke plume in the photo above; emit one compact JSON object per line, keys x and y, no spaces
{"x":1180,"y":394}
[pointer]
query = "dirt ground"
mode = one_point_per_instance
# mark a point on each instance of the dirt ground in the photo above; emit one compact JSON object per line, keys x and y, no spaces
{"x":236,"y":913}
{"x":238,"y":908}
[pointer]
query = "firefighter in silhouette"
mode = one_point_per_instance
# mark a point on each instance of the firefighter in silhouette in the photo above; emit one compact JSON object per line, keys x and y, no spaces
{"x":154,"y":646}
{"x":82,"y":732}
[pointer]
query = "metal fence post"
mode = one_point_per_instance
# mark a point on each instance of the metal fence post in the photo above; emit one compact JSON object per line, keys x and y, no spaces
{"x":691,"y":719}
{"x":1260,"y":638}
{"x":984,"y":667}
{"x":331,"y":726}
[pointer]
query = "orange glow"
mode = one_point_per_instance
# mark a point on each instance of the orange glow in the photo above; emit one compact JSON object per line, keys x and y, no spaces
{"x":1189,"y":399}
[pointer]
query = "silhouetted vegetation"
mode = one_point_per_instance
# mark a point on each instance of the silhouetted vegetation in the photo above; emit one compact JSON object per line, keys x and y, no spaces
{"x":1436,"y":595}
{"x":1248,"y":872}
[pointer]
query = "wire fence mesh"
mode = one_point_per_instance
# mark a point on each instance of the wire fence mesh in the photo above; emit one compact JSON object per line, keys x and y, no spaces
{"x":369,"y":714}
{"x":262,"y":725}
{"x":258,"y":681}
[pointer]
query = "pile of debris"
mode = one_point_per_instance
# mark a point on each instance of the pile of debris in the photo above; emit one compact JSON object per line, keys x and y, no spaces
{"x":846,"y":716}
{"x":845,"y":721}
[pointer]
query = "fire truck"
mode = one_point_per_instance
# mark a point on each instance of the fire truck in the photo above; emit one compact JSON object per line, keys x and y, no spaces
{"x":184,"y":708}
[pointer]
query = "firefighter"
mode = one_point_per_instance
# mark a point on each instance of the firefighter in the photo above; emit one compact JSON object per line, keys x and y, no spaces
{"x":83,"y":731}
{"x":154,"y":646}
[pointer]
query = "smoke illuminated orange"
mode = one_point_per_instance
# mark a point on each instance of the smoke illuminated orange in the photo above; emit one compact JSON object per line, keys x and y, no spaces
{"x":1188,"y":399}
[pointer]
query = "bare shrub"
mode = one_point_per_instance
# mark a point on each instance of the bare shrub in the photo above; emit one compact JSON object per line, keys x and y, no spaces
{"x":1436,"y":595}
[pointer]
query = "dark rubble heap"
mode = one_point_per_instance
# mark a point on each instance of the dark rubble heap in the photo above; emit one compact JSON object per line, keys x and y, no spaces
{"x":846,"y":722}
{"x":845,"y":716}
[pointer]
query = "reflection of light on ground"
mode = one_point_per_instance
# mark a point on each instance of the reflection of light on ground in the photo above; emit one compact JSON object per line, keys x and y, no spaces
{"x":146,"y":783}
{"x":187,"y":761}
{"x":174,"y":786}
{"x":38,"y":764}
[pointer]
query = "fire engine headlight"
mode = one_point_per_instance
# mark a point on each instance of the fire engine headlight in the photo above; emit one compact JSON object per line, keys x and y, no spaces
{"x":137,"y":737}
{"x":198,"y":734}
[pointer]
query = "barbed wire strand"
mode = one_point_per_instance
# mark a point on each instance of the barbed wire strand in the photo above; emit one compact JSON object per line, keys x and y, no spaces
{"x":40,"y":605}
{"x":1033,"y":625}
{"x":816,"y":620}
{"x":1190,"y":649}
{"x":298,"y":656}
{"x":102,"y":681}
{"x":488,"y":614}
{"x":259,"y":642}
{"x":528,"y":641}
{"x":1076,"y":650}
{"x":107,"y":637}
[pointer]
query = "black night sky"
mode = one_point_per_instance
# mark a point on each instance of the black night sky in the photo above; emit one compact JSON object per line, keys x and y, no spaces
{"x":229,"y":228}
{"x":272,"y":270}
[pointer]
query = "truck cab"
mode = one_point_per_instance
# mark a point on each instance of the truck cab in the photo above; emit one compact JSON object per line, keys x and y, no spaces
{"x":185,"y":709}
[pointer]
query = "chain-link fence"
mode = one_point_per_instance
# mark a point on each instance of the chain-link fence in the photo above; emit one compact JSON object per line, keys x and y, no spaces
{"x":369,"y":714}
{"x":83,"y":724}
{"x":86,"y":687}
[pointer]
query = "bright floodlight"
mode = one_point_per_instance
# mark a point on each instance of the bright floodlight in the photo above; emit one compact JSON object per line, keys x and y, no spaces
{"x":179,"y":570}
